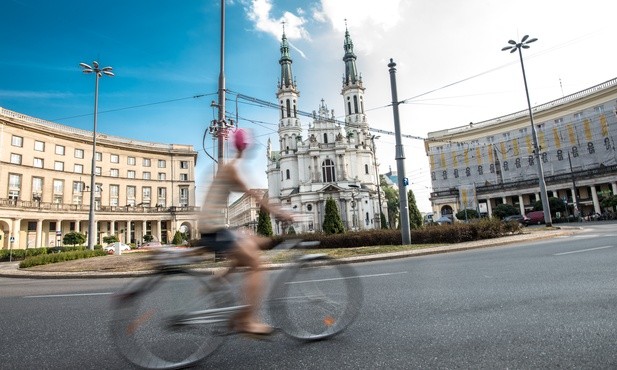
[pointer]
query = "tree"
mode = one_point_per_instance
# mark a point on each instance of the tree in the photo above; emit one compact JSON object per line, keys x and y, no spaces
{"x":384,"y":222}
{"x":392,"y":202}
{"x":467,"y":214}
{"x":555,"y":204}
{"x":74,"y":238}
{"x":504,"y":210}
{"x":291,"y":230}
{"x":332,"y":223}
{"x":148,"y":238}
{"x":264,"y":224}
{"x":609,"y":202}
{"x":110,"y":239}
{"x":415,"y":217}
{"x":178,"y":238}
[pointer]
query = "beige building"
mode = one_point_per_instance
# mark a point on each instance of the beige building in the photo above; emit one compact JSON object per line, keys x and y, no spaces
{"x":244,"y":211}
{"x":484,"y":164}
{"x":45,"y":170}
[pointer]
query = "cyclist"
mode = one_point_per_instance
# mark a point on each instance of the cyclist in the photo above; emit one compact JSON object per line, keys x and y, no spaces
{"x":243,"y":248}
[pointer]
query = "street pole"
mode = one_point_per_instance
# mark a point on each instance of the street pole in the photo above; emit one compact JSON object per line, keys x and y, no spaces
{"x":221,"y":133}
{"x":98,"y":73}
{"x":378,"y":180}
{"x":514,"y":46}
{"x":400,"y":160}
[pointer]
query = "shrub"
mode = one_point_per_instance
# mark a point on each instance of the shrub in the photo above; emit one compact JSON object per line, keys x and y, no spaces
{"x":45,"y":259}
{"x":20,"y":254}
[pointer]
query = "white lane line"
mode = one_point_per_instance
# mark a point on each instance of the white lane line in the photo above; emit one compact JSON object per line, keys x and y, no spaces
{"x":67,"y":295}
{"x":583,"y":250}
{"x":351,"y":277}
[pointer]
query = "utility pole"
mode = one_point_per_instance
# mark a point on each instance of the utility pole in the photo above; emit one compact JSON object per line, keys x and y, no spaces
{"x":400,"y":160}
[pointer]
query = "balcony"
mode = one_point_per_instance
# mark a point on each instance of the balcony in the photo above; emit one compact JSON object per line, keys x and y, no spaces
{"x":81,"y":208}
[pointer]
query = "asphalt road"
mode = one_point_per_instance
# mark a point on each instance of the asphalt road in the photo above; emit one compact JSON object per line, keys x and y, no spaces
{"x":548,"y":304}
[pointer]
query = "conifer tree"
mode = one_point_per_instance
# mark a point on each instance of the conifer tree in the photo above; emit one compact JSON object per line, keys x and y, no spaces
{"x":415,"y":217}
{"x":264,"y":225}
{"x":332,"y":223}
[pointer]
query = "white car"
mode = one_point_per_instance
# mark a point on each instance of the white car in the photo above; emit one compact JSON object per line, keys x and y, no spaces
{"x":111,"y":249}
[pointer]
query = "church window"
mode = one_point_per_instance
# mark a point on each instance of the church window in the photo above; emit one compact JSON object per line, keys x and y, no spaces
{"x":349,"y":107}
{"x":355,"y":103}
{"x":287,"y":174}
{"x":366,"y":169}
{"x":325,"y":138}
{"x":327,"y":169}
{"x":288,"y":108}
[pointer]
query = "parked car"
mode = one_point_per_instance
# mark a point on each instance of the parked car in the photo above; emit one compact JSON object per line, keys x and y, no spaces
{"x":519,"y":218}
{"x":535,"y":217}
{"x":111,"y":248}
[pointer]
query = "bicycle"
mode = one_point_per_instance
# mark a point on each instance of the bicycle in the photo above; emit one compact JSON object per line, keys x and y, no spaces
{"x":177,"y":316}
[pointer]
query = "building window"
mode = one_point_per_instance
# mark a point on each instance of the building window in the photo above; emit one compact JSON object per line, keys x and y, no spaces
{"x":15,"y":158}
{"x":58,"y":191}
{"x":39,"y":146}
{"x":114,"y":172}
{"x":37,"y":188}
{"x":17,"y":141}
{"x":456,"y":173}
{"x":130,"y":161}
{"x":560,"y":155}
{"x":327,"y":169}
{"x":184,"y":197}
{"x":114,"y":158}
{"x":366,"y":169}
{"x":162,"y":176}
{"x":79,"y":168}
{"x":590,"y":148}
{"x":287,"y":174}
{"x":146,"y":162}
{"x":355,"y":103}
{"x":114,"y":191}
{"x":60,"y":149}
{"x":146,"y":195}
{"x":99,"y":156}
{"x":161,"y":199}
{"x":184,"y":177}
{"x":444,"y":174}
{"x":98,"y":171}
{"x":79,"y":153}
{"x":130,"y":174}
{"x":480,"y":170}
{"x":531,"y":160}
{"x":162,"y":163}
{"x":325,"y":138}
{"x":184,"y":165}
{"x":467,"y":171}
{"x":146,"y":175}
{"x":14,"y":186}
{"x":130,"y":195}
{"x":78,"y":188}
{"x":58,"y":166}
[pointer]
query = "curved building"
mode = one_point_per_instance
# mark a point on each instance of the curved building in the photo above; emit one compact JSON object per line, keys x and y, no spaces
{"x":484,"y":164}
{"x":142,"y":188}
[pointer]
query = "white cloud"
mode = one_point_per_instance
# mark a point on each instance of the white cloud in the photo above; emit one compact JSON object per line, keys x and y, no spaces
{"x":260,"y":12}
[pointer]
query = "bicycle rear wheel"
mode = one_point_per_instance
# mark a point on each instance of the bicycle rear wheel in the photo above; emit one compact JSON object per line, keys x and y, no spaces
{"x":147,"y":325}
{"x":316,"y":299}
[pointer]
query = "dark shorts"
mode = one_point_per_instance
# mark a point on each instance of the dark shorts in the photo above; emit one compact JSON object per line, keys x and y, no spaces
{"x":220,"y":241}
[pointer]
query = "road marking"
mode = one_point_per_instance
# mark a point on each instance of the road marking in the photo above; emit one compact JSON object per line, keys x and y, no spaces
{"x":67,"y":295}
{"x":351,"y":277}
{"x":583,"y":250}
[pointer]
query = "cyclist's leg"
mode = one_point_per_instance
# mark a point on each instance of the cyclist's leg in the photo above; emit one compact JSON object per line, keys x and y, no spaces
{"x":247,"y":253}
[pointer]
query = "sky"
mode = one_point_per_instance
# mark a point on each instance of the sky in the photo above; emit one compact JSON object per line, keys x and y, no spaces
{"x":450,"y":68}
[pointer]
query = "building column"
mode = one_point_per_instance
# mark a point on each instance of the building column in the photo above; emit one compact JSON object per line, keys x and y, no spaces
{"x":158,"y":230}
{"x":58,"y":239}
{"x":15,"y":231}
{"x":504,"y":200}
{"x":489,"y":208}
{"x":594,"y":198}
{"x":39,"y":233}
{"x":112,"y":227}
{"x":521,"y":204}
{"x":77,"y":226}
{"x":614,"y":186}
{"x":128,"y":232}
{"x":143,"y":229}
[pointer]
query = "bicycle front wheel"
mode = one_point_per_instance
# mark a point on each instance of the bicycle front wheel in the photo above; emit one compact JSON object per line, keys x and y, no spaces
{"x":316,"y":299}
{"x":154,"y":323}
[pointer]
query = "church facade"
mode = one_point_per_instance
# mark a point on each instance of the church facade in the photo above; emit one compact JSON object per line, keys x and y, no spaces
{"x":328,"y":159}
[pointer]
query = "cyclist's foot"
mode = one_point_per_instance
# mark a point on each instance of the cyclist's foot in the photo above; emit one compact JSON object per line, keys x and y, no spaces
{"x":254,"y":329}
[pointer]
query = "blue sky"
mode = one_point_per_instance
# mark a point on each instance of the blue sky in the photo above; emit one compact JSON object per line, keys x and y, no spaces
{"x":165,"y":53}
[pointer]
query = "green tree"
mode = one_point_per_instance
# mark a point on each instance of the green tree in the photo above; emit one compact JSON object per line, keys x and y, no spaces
{"x":332,"y":223}
{"x":392,"y":202}
{"x":555,"y":204}
{"x":384,"y":222}
{"x":415,"y":217}
{"x":148,"y":238}
{"x":609,"y":202}
{"x":467,"y":214}
{"x":74,"y":238}
{"x":264,"y":224}
{"x":504,"y":210}
{"x":178,"y":238}
{"x":110,"y":239}
{"x":291,"y":230}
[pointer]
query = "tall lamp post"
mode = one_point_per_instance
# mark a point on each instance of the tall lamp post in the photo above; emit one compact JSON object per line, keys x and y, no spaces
{"x":377,"y":175}
{"x":98,"y":73}
{"x":514,"y":46}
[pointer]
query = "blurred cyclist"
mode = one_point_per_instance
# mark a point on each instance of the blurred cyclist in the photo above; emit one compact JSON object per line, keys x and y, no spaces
{"x":244,"y":249}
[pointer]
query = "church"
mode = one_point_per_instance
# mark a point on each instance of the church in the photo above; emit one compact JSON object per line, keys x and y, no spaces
{"x":330,"y":159}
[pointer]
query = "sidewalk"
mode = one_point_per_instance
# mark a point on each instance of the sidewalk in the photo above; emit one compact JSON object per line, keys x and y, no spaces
{"x":12,"y":270}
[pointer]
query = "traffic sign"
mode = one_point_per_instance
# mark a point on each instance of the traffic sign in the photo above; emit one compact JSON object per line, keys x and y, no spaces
{"x":12,"y":239}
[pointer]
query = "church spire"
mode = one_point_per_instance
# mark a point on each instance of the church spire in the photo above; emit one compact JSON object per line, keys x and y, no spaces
{"x":285,"y":62}
{"x":351,"y":72}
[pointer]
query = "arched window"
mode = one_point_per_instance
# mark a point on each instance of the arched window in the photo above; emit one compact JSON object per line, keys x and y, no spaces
{"x":325,"y":138}
{"x":366,"y":169}
{"x":327,"y":170}
{"x":288,"y":108}
{"x":349,"y":107}
{"x":287,"y":174}
{"x":355,"y":103}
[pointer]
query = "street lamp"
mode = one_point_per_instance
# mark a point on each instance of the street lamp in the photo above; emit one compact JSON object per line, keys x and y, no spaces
{"x":377,"y":175}
{"x":98,"y":72}
{"x":514,"y":46}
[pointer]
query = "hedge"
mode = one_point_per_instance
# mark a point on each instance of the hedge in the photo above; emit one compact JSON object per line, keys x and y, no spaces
{"x":44,"y":259}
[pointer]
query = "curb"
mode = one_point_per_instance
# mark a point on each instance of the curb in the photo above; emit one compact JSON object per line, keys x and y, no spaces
{"x":11,"y":270}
